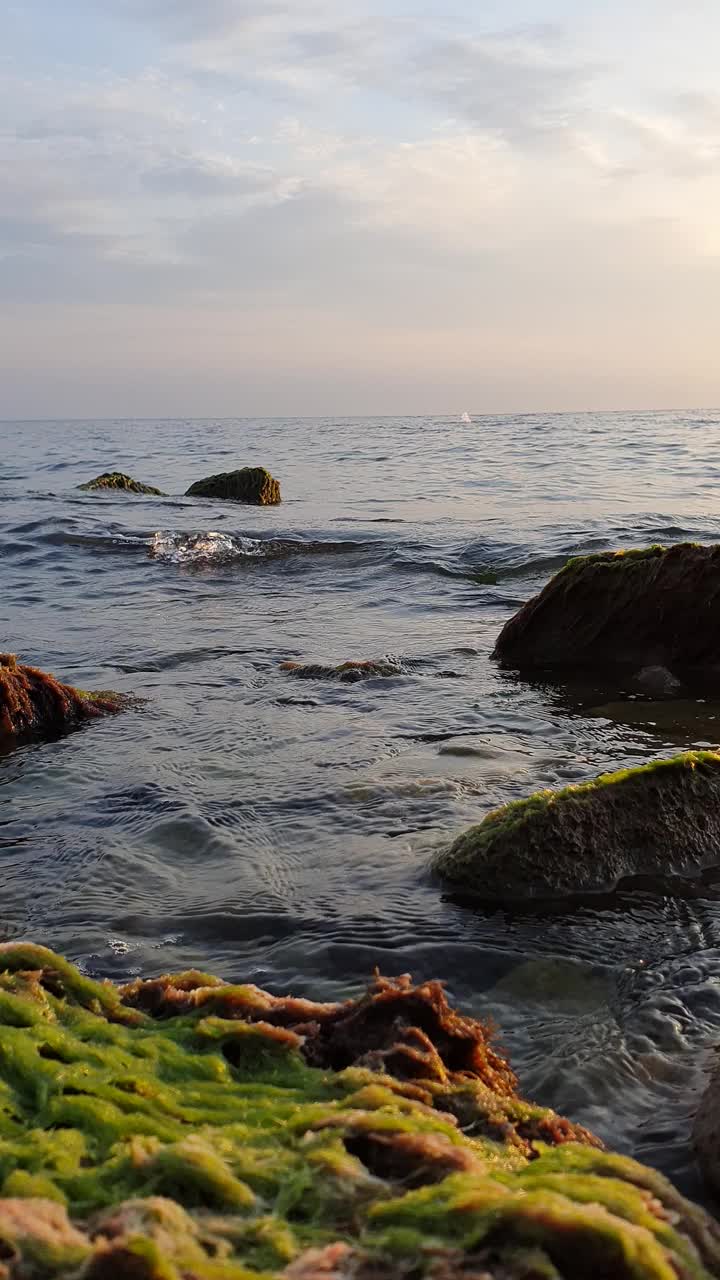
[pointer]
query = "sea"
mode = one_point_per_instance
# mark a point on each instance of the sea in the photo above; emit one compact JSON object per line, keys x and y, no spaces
{"x":280,"y":831}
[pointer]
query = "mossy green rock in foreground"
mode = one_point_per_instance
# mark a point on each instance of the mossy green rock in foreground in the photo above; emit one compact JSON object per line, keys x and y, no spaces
{"x":184,"y":1128}
{"x":249,"y":484}
{"x":34,"y":703}
{"x":118,"y":480}
{"x":659,"y":820}
{"x":658,"y":607}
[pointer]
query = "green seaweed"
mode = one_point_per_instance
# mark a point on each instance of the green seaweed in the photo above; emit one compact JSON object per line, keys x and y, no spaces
{"x":191,"y":1143}
{"x":622,"y":559}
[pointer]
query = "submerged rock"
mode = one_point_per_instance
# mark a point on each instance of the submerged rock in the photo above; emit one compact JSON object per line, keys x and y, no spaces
{"x":706,"y":1132}
{"x":250,"y":484}
{"x":185,"y":1127}
{"x":348,"y":672}
{"x":658,"y":682}
{"x":33,"y":702}
{"x":659,"y":820}
{"x":118,"y":480}
{"x":637,"y":609}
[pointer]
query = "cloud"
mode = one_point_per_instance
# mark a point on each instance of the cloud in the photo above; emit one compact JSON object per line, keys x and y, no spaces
{"x":281,"y":166}
{"x":516,"y":81}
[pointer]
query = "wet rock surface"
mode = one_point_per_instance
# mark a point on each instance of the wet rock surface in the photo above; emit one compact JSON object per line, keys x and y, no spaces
{"x":656,"y":821}
{"x":186,"y":1127}
{"x":654,"y":608}
{"x":117,"y":480}
{"x":35,"y":703}
{"x":706,"y":1131}
{"x":249,"y":484}
{"x":346,"y":672}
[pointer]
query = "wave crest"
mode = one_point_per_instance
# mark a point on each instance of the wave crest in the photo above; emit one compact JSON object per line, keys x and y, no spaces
{"x":203,"y":548}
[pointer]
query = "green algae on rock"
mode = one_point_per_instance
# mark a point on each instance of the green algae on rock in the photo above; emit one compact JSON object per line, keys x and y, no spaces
{"x":249,"y":484}
{"x":188,"y":1128}
{"x":118,"y":480}
{"x":659,"y":820}
{"x":657,"y":607}
{"x":33,"y":702}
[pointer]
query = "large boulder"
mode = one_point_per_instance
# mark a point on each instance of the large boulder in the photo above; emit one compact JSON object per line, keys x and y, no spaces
{"x":117,"y":480}
{"x":186,"y":1127}
{"x":249,"y":484}
{"x":657,"y":608}
{"x":33,"y":702}
{"x":659,"y":821}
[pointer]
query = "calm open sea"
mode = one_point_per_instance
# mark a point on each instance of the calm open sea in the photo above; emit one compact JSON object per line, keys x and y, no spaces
{"x":279,"y":830}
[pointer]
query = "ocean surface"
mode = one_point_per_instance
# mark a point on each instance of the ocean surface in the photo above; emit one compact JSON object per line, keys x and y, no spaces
{"x":279,"y":830}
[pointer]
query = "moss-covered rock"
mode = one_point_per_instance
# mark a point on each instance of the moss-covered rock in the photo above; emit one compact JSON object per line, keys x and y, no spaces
{"x":249,"y":484}
{"x":658,"y":607}
{"x":118,"y":480}
{"x":33,"y":702}
{"x":189,"y":1128}
{"x":659,"y":820}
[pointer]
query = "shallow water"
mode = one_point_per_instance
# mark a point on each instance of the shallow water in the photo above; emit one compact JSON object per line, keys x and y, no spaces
{"x":279,"y":830}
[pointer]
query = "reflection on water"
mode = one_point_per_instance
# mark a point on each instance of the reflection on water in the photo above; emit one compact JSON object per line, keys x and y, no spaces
{"x":281,"y":830}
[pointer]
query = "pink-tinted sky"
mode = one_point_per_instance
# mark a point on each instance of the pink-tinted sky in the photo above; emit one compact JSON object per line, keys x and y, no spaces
{"x":241,"y":207}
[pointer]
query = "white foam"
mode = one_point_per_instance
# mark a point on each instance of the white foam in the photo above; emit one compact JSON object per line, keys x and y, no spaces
{"x":203,"y":548}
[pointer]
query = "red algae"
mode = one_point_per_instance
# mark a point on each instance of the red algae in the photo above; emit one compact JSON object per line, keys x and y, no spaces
{"x":406,"y":1031}
{"x":31,"y":701}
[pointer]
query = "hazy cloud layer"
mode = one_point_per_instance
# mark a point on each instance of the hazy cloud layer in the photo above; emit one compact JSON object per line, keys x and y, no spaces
{"x":370,"y":209}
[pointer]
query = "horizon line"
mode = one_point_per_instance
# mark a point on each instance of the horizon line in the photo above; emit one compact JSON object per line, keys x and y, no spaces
{"x":364,"y":417}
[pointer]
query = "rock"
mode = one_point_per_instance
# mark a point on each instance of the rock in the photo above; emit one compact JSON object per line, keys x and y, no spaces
{"x":706,"y":1132}
{"x":654,"y":608}
{"x":250,"y":484}
{"x":657,"y":681}
{"x":557,"y":982}
{"x":32,"y":702}
{"x":187,"y":1127}
{"x":347,"y":672}
{"x":117,"y":480}
{"x":659,"y":820}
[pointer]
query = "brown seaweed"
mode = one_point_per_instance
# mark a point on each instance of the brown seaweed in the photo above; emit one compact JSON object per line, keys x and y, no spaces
{"x":31,"y":701}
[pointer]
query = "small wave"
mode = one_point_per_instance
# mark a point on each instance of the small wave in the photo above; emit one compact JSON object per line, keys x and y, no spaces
{"x":213,"y":548}
{"x":203,"y":548}
{"x":112,"y":542}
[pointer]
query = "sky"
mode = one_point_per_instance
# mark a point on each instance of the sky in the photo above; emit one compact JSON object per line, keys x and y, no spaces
{"x":343,"y":207}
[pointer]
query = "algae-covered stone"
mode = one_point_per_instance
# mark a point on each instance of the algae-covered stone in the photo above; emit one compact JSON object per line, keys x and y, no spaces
{"x":659,"y":820}
{"x":33,"y":702}
{"x":185,"y":1127}
{"x":249,"y":484}
{"x":117,"y":480}
{"x":658,"y":607}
